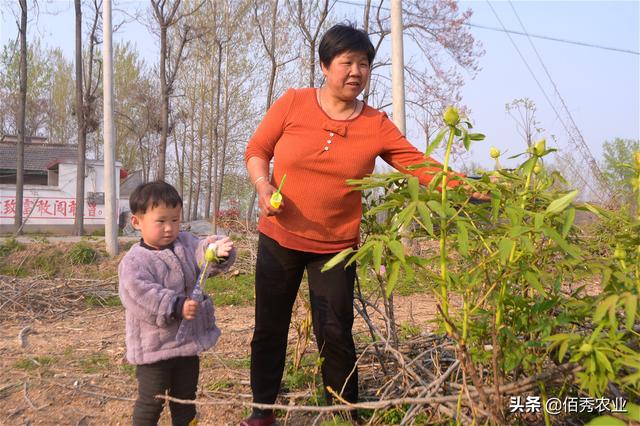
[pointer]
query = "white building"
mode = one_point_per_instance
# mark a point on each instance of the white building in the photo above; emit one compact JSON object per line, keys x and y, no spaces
{"x":49,"y":201}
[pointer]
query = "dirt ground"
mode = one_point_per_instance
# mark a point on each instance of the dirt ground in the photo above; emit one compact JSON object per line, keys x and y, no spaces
{"x":72,"y":370}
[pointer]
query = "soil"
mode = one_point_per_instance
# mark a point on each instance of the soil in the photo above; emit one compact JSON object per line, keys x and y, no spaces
{"x":72,"y":370}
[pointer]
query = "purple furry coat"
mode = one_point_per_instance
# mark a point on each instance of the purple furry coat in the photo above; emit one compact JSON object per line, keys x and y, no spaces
{"x":150,"y":281}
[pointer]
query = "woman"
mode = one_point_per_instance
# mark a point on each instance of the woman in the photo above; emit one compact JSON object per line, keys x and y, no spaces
{"x":319,"y":138}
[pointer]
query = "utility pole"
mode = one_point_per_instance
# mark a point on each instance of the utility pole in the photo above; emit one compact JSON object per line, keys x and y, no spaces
{"x":397,"y":66}
{"x":110,"y":214}
{"x":22,"y":113}
{"x":81,"y":125}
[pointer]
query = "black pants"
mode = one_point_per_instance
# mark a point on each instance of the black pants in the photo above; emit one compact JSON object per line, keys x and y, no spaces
{"x":179,"y":376}
{"x":278,"y":274}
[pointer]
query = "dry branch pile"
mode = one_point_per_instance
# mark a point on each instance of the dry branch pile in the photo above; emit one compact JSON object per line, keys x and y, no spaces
{"x":39,"y":298}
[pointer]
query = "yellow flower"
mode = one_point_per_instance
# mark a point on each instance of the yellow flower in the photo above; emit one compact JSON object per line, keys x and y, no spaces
{"x":636,"y":157}
{"x":494,"y":152}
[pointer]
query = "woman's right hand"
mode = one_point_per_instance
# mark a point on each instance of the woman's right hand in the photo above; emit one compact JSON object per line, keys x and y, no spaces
{"x":264,"y":190}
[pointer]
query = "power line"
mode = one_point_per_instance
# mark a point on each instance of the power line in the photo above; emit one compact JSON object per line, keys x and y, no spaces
{"x":561,"y":40}
{"x":586,"y":183}
{"x":582,"y":146}
{"x":505,"y":30}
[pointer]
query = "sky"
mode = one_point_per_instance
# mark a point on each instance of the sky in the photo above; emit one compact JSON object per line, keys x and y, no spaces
{"x":600,"y":88}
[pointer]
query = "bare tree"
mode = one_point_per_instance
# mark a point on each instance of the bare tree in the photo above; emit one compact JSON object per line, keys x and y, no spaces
{"x":212,"y":163}
{"x":82,"y":134}
{"x":310,"y":25}
{"x":523,"y":112}
{"x":270,"y":49}
{"x":85,"y":104}
{"x":167,"y":16}
{"x":22,"y":29}
{"x":434,"y":78}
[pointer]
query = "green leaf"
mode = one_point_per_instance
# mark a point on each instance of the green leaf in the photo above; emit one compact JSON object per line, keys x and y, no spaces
{"x":603,"y":307}
{"x":527,"y":166}
{"x":394,"y":272}
{"x":630,"y":310}
{"x":596,"y":210}
{"x":564,"y":346}
{"x":504,"y":247}
{"x":436,"y":207}
{"x":568,"y":222}
{"x":562,"y":203}
{"x":337,"y":259}
{"x":571,"y":250}
{"x":377,"y":256}
{"x":397,"y":249}
{"x":495,"y":205}
{"x":606,"y":421}
{"x":408,"y":214}
{"x":425,"y":216}
{"x":413,"y":184}
{"x":633,"y":411}
{"x":466,"y":140}
{"x":533,"y":281}
{"x":463,"y":238}
{"x":514,"y":215}
{"x":538,"y":220}
{"x":518,"y":230}
{"x":603,"y":361}
{"x":433,"y":145}
{"x":362,"y":252}
{"x":476,"y":136}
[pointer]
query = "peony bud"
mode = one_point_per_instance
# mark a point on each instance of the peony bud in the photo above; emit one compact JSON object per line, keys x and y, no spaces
{"x":540,"y":147}
{"x":537,"y":168}
{"x":619,"y":253}
{"x":276,"y":200}
{"x":210,"y":253}
{"x":494,"y":153}
{"x":451,"y":116}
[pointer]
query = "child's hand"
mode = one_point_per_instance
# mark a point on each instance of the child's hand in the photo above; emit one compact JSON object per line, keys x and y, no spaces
{"x":223,"y":246}
{"x":189,"y":309}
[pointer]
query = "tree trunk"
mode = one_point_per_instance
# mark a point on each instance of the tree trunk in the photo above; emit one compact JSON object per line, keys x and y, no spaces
{"x":367,"y":11}
{"x":191,"y":169}
{"x":21,"y":117}
{"x":225,"y":136}
{"x":200,"y":144}
{"x":179,"y":165}
{"x":271,"y":51}
{"x":216,"y":140}
{"x":164,"y":104}
{"x":82,"y":133}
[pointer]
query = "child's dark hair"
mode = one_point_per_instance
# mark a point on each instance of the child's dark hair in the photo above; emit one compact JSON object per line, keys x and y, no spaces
{"x":343,"y":38}
{"x":151,"y":195}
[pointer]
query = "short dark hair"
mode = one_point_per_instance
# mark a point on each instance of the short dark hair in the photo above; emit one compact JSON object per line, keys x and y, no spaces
{"x":151,"y":195}
{"x":344,"y":38}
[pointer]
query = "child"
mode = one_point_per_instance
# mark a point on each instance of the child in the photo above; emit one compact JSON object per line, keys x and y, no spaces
{"x":156,"y":278}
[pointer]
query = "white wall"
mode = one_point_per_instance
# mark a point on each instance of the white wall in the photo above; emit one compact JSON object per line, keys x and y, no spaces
{"x":55,"y":205}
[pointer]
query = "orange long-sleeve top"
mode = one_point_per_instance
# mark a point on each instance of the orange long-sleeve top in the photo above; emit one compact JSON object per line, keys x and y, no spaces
{"x":322,"y":212}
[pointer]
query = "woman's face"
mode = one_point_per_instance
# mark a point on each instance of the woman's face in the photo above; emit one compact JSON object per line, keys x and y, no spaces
{"x":347,"y":75}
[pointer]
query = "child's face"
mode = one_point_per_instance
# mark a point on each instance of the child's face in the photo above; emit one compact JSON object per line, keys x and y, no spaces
{"x":159,"y":225}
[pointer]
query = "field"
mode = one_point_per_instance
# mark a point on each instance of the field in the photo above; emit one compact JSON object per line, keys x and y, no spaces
{"x":62,"y":345}
{"x":465,"y":307}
